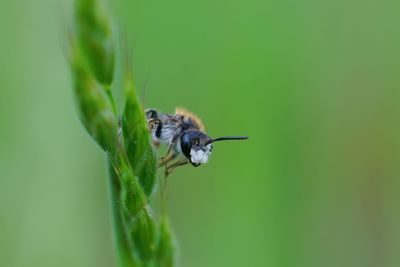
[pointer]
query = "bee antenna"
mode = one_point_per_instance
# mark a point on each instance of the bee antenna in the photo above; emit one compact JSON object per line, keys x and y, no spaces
{"x":223,"y":138}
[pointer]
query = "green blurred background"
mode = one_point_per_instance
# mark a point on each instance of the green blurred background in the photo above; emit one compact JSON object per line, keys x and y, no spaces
{"x":316,"y":85}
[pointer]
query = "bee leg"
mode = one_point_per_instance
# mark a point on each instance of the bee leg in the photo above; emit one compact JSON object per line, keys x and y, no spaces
{"x":168,"y":156}
{"x":166,"y":159}
{"x":156,"y":143}
{"x":169,"y":169}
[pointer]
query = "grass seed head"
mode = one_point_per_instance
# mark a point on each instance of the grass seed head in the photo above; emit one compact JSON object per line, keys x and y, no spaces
{"x":95,"y":37}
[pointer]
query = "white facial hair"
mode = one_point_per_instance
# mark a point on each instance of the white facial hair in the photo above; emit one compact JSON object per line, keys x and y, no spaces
{"x":200,"y":156}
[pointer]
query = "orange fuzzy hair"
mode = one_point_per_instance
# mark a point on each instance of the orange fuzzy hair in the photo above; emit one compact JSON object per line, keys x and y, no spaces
{"x":196,"y":120}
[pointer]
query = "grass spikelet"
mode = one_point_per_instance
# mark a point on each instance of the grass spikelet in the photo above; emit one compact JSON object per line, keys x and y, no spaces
{"x":139,"y":239}
{"x":95,"y":107}
{"x":95,"y":37}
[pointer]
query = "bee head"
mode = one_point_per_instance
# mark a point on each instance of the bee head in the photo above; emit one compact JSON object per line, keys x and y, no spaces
{"x":196,"y":146}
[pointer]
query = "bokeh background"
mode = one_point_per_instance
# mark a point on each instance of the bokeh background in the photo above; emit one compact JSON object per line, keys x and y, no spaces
{"x":316,"y":85}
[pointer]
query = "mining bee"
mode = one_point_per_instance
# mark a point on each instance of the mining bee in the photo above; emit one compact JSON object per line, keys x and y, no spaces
{"x":184,"y":134}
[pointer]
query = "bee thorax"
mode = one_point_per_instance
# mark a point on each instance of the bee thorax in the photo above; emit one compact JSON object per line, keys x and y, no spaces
{"x":167,"y":133}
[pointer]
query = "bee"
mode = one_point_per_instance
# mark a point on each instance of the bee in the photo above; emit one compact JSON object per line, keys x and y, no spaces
{"x":184,"y":134}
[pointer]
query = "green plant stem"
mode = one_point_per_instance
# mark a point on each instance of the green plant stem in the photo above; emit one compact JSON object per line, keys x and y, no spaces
{"x":164,"y":196}
{"x":120,"y":242}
